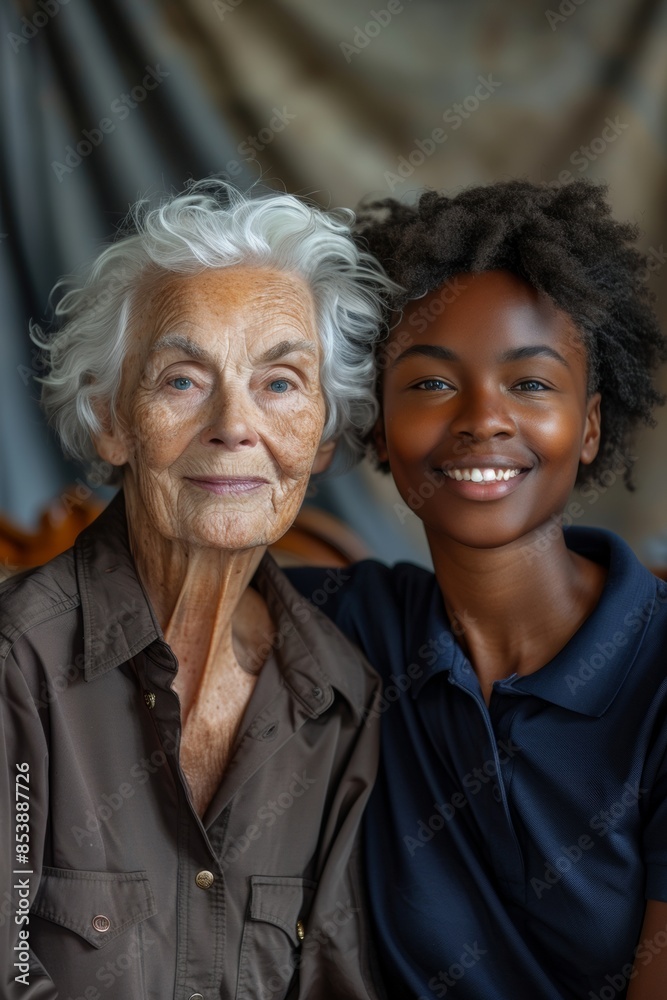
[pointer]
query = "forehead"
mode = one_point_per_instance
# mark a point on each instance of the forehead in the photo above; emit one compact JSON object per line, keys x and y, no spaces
{"x":485,"y":307}
{"x":259,"y":301}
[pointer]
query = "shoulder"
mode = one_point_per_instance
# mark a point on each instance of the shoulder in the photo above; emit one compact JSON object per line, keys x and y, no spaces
{"x":309,"y":646}
{"x":381,"y":609}
{"x":35,"y":597}
{"x":631,"y":587}
{"x":369,"y":588}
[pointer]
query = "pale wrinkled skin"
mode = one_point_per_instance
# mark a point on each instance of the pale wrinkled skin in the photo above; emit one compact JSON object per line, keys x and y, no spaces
{"x":196,"y":551}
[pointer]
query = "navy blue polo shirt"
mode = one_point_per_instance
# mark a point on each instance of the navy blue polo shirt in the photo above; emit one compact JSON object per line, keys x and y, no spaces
{"x":510,"y":850}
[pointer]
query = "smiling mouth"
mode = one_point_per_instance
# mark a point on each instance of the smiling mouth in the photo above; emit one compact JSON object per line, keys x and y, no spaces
{"x":230,"y":484}
{"x":474,"y":474}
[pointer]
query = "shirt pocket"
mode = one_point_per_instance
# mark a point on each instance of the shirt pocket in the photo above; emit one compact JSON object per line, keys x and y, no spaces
{"x":90,"y":928}
{"x":274,"y":927}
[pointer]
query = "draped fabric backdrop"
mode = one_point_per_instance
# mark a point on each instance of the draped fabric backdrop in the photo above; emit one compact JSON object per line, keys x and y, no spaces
{"x":105,"y":100}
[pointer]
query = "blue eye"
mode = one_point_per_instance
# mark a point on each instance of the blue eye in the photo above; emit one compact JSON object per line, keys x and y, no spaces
{"x":181,"y":383}
{"x":279,"y":385}
{"x":433,"y":384}
{"x":532,"y":385}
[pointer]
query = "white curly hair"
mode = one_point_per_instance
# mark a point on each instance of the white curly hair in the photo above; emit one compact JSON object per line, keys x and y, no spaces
{"x":213,"y":225}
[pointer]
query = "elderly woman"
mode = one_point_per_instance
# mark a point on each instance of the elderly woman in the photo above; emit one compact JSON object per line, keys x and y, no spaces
{"x":180,"y":814}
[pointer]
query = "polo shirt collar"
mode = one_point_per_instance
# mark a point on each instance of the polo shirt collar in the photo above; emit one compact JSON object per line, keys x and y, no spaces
{"x":119,"y":621}
{"x":587,"y":674}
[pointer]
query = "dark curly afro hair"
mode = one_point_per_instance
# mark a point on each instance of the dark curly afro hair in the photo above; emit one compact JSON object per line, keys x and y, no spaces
{"x":564,"y":242}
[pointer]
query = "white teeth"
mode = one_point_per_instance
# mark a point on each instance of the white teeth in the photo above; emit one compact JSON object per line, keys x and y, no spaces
{"x":482,"y":475}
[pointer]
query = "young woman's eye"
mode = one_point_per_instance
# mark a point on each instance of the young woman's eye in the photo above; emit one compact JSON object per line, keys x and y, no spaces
{"x":433,"y":384}
{"x":181,"y":383}
{"x":279,"y":385}
{"x":531,"y":385}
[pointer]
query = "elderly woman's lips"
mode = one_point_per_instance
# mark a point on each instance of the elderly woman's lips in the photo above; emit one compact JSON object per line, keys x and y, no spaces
{"x":229,"y":484}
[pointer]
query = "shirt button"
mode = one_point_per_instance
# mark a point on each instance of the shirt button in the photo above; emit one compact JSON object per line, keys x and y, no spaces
{"x":204,"y":879}
{"x":149,"y":698}
{"x":101,"y":923}
{"x":496,"y":793}
{"x":300,"y":930}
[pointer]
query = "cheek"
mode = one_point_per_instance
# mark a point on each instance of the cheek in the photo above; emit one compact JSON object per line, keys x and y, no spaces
{"x":295,"y":437}
{"x":559,"y":435}
{"x":158,"y":435}
{"x":411,"y":432}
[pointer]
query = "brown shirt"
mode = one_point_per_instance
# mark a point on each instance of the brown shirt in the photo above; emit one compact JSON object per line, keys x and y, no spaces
{"x":114,"y":888}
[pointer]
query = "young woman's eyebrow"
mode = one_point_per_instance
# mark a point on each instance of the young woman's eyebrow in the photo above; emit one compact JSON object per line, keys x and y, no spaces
{"x":535,"y":351}
{"x":445,"y":354}
{"x":426,"y":351}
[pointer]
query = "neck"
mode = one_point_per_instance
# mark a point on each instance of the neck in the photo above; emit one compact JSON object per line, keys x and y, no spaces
{"x":514,"y":607}
{"x":200,"y":596}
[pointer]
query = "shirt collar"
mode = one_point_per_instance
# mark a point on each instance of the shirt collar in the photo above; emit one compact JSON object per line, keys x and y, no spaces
{"x":119,"y":621}
{"x":587,"y":674}
{"x":314,"y":656}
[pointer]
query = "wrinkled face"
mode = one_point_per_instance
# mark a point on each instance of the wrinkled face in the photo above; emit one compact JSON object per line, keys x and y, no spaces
{"x":486,"y":415}
{"x":221,"y":411}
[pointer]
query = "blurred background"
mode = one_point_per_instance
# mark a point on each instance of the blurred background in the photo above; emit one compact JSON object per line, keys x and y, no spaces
{"x":106,"y":100}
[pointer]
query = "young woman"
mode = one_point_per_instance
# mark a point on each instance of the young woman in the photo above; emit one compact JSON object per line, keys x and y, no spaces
{"x":516,"y":841}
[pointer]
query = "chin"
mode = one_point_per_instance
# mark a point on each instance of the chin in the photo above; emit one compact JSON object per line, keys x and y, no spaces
{"x":481,"y":533}
{"x":231,"y":531}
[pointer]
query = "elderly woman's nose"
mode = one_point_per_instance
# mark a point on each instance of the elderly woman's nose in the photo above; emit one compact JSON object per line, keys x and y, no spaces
{"x":232,"y":421}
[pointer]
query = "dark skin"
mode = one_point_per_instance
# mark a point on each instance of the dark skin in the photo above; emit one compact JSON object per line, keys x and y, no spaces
{"x":489,"y":408}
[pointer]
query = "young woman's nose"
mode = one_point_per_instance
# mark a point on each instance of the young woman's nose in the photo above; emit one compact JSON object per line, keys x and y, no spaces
{"x":482,"y":414}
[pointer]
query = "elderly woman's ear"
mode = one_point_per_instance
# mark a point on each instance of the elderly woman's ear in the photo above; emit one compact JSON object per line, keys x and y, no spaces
{"x":110,"y":442}
{"x":324,"y":456}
